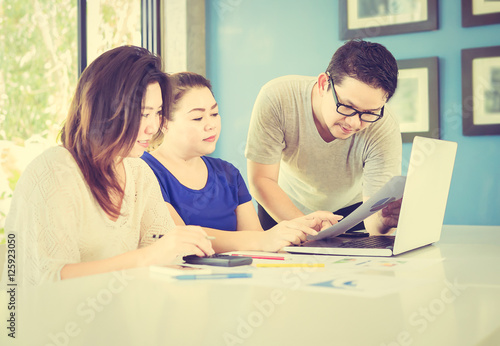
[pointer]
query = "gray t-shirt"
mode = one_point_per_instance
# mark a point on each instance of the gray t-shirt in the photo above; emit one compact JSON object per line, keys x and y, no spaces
{"x":317,"y":175}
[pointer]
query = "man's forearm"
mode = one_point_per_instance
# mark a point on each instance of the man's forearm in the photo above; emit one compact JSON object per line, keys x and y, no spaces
{"x":276,"y":202}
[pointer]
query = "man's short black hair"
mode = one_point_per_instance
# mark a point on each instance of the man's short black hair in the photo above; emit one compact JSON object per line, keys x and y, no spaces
{"x":368,"y":62}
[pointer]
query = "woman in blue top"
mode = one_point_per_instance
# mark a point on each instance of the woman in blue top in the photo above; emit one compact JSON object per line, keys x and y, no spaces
{"x":210,"y":192}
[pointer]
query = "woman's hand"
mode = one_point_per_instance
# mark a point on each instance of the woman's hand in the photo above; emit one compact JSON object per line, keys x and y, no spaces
{"x":181,"y":241}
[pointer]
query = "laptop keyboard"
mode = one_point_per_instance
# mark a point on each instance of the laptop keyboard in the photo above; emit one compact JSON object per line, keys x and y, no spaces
{"x":377,"y":242}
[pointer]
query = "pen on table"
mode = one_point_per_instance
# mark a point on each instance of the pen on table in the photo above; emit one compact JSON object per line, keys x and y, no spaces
{"x":214,"y":276}
{"x":209,"y":237}
{"x":289,"y":265}
{"x":360,"y":263}
{"x":261,"y":257}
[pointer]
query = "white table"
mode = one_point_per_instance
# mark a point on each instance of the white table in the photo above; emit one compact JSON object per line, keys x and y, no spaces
{"x":456,"y":302}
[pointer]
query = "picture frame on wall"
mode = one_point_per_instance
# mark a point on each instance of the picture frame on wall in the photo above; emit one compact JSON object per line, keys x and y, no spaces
{"x":480,"y":12}
{"x":370,"y":18}
{"x":416,"y":101}
{"x":481,"y":91}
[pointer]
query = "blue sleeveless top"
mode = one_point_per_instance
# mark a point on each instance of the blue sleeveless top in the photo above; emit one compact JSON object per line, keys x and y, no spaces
{"x":213,"y":206}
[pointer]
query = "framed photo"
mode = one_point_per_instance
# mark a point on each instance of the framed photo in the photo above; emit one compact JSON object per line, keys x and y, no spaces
{"x":369,"y":18}
{"x":480,"y":12}
{"x":481,"y":91}
{"x":416,"y":100}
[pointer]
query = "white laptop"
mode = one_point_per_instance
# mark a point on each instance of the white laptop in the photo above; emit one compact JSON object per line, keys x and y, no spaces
{"x":422,"y":209}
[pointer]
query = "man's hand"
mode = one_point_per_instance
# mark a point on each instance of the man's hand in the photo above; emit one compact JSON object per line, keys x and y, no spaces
{"x":296,"y":231}
{"x":389,"y":216}
{"x":323,"y":219}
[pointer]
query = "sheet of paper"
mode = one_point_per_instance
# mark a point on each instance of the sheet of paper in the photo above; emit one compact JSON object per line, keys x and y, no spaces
{"x":364,"y":285}
{"x":385,"y":264}
{"x":390,"y":192}
{"x":347,"y":275}
{"x":173,"y":270}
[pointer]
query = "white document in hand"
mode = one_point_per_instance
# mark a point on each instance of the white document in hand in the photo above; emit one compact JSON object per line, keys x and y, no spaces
{"x":390,"y":192}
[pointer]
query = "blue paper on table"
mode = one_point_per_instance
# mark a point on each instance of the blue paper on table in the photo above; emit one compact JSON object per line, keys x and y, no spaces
{"x":390,"y":192}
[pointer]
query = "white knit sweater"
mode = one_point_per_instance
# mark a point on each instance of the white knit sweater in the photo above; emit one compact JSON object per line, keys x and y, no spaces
{"x":55,"y":220}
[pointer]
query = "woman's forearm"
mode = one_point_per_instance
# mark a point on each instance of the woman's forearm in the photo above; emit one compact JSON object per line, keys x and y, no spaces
{"x":131,"y":259}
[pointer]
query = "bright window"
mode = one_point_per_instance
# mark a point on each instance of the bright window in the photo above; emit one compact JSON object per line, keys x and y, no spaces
{"x":112,"y":23}
{"x":39,"y":71}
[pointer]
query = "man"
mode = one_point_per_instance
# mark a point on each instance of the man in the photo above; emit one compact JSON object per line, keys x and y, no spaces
{"x":327,"y":142}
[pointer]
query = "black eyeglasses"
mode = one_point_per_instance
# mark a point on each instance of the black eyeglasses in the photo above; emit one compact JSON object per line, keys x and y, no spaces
{"x":348,"y":111}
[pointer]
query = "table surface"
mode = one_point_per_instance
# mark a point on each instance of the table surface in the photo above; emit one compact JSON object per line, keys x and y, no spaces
{"x":449,"y":295}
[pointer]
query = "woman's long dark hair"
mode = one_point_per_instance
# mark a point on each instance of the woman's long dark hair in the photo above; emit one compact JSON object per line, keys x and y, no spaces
{"x":105,"y":115}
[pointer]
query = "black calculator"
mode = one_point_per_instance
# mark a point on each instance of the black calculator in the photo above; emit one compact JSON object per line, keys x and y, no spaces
{"x":218,"y":260}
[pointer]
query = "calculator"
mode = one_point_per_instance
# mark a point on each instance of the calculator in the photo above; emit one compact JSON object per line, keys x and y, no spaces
{"x":218,"y":260}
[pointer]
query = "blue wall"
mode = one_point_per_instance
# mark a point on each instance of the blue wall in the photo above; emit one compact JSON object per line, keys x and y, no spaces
{"x":252,"y":41}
